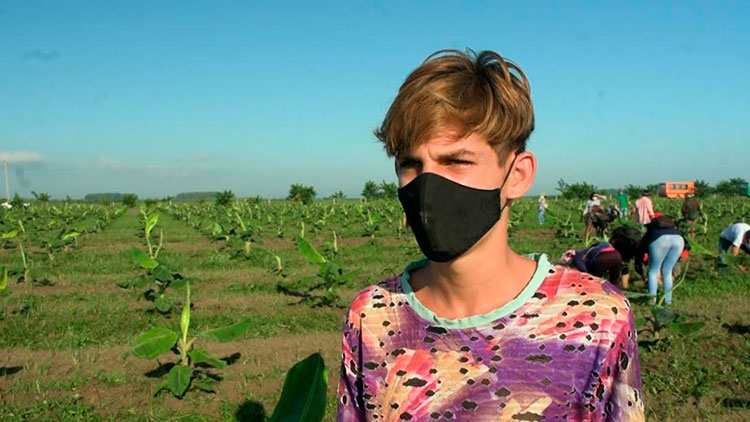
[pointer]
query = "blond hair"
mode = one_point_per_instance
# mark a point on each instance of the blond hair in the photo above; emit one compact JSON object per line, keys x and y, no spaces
{"x":462,"y":91}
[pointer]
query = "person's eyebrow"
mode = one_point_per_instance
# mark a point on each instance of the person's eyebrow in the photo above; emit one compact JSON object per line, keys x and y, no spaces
{"x":454,"y":155}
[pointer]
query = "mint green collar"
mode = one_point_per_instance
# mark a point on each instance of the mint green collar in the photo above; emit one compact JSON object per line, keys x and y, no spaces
{"x":542,"y":268}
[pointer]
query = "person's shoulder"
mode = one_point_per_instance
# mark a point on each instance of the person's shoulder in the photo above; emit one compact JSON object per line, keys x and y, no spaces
{"x":577,"y":288}
{"x":377,"y":296}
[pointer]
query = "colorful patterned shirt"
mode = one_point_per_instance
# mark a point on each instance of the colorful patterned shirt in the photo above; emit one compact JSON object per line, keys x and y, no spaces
{"x":563,"y":350}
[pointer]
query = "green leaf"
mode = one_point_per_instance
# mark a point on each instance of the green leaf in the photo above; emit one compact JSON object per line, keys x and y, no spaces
{"x":141,"y":258}
{"x":686,"y":328}
{"x":3,"y":278}
{"x":139,"y":283}
{"x":640,"y":322}
{"x":154,"y":342}
{"x":71,"y":235}
{"x":637,"y":298}
{"x":697,"y":248}
{"x":227,"y":333}
{"x":151,"y":222}
{"x":304,"y":395}
{"x":206,"y":385}
{"x":179,"y":379}
{"x":163,"y":304}
{"x":9,"y":235}
{"x":162,"y":273}
{"x":202,"y":356}
{"x":178,"y":284}
{"x":345,"y":278}
{"x":662,"y":315}
{"x":162,"y":385}
{"x":309,"y":253}
{"x":185,"y":316}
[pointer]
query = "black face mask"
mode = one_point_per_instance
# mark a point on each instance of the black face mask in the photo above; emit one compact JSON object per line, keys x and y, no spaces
{"x":448,"y":218}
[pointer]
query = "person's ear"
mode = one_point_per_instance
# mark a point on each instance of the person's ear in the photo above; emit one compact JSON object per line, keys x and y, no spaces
{"x":521,"y":175}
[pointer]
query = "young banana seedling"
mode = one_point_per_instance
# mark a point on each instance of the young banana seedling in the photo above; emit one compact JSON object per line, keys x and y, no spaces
{"x":193,"y":368}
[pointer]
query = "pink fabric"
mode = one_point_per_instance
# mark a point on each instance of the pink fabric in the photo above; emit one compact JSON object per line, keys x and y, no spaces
{"x":644,"y":210}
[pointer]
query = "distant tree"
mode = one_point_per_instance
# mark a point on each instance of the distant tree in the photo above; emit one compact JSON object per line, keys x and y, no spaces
{"x":730,"y":187}
{"x":580,"y":190}
{"x":149,"y":202}
{"x":388,"y":190}
{"x":702,"y":188}
{"x":301,"y":193}
{"x":653,"y":189}
{"x":224,"y":198}
{"x":41,"y":197}
{"x":17,"y":201}
{"x":129,"y":199}
{"x":634,"y":191}
{"x":68,"y":199}
{"x":338,"y":195}
{"x":371,"y":190}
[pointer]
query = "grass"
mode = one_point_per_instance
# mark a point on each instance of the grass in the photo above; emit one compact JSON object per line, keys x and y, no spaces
{"x":61,"y":348}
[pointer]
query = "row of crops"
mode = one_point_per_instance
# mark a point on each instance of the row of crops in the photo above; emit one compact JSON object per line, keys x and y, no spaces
{"x":257,"y":234}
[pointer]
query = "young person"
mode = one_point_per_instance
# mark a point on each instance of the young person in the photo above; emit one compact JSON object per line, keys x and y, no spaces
{"x":622,"y":201}
{"x":476,"y":331}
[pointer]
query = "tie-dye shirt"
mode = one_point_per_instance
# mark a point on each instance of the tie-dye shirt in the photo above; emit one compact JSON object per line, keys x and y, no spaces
{"x":563,"y":350}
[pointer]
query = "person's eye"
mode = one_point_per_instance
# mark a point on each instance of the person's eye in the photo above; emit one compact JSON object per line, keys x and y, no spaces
{"x":460,"y":163}
{"x":407,"y":164}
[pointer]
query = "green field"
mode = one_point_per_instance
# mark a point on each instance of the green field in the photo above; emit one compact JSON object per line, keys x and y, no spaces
{"x":67,"y":327}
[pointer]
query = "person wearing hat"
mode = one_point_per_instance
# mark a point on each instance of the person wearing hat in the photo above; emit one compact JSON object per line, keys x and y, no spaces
{"x":644,"y":209}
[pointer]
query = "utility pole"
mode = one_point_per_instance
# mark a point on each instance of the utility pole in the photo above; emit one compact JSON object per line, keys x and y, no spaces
{"x":7,"y":185}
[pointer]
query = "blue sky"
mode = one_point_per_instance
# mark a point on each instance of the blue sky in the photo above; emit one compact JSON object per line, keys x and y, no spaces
{"x":186,"y":96}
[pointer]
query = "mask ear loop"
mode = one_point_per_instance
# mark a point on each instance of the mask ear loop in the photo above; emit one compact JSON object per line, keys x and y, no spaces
{"x":502,"y":208}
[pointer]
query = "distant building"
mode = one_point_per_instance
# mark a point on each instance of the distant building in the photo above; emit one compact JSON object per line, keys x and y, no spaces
{"x":676,"y":189}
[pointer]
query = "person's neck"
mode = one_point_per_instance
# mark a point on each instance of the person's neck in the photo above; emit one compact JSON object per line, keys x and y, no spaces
{"x":486,"y":278}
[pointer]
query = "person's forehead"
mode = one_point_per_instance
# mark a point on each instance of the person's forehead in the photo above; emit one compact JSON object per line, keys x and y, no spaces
{"x":449,"y":142}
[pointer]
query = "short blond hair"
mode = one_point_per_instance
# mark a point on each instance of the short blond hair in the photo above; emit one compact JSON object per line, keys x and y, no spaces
{"x":462,"y":91}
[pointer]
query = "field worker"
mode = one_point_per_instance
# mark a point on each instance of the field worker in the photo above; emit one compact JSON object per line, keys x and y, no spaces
{"x":622,"y":202}
{"x":590,"y":210}
{"x":477,"y":332}
{"x":644,"y":209}
{"x":609,"y":259}
{"x":664,"y":243}
{"x":542,"y":207}
{"x":691,"y":210}
{"x":734,"y":238}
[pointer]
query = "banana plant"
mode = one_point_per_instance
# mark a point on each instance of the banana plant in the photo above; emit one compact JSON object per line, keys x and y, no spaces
{"x":320,"y":289}
{"x":156,"y":278}
{"x":193,"y":368}
{"x":149,"y":222}
{"x":662,"y":321}
{"x":13,"y":234}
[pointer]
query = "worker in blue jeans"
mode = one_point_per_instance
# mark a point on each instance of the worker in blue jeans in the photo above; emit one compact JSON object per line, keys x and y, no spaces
{"x":664,"y":243}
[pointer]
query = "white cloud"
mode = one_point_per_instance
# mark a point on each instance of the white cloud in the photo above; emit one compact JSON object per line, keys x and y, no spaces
{"x":20,"y":156}
{"x":109,"y":163}
{"x":200,"y":157}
